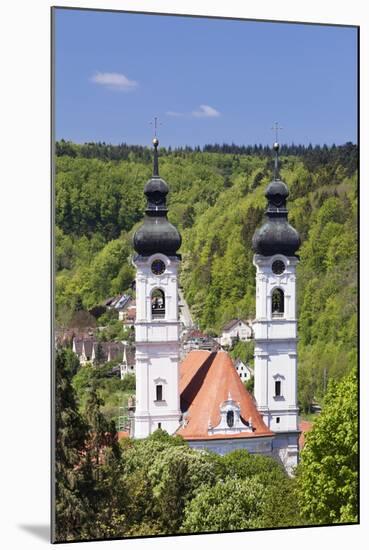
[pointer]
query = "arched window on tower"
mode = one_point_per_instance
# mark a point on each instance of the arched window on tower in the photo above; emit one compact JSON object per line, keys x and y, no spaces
{"x":277,"y":303}
{"x":157,"y":304}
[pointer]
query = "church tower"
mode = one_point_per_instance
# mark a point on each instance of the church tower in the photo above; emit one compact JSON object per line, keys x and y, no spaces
{"x":157,"y":313}
{"x":275,"y":244}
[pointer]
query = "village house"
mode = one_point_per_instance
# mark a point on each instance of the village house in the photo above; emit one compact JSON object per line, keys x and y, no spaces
{"x":64,"y":336}
{"x":82,"y":347}
{"x":120,"y":304}
{"x":90,"y":350}
{"x":128,"y":314}
{"x":195,"y":339}
{"x":236,"y":329}
{"x":244,"y":371}
{"x":127,"y":366}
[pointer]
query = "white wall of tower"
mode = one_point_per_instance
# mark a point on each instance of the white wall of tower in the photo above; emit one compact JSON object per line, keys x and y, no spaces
{"x":157,"y":348}
{"x":276,"y":353}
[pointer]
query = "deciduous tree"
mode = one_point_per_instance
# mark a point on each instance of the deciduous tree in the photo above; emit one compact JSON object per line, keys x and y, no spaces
{"x":328,"y":472}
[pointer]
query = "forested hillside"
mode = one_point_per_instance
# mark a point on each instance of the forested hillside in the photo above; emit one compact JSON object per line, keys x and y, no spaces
{"x":217,"y":200}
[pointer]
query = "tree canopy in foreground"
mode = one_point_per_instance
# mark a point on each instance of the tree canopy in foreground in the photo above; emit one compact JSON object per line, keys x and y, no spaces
{"x":328,"y":471}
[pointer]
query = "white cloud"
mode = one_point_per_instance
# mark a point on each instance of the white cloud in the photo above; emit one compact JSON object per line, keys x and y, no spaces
{"x":174,"y":113}
{"x":206,"y":111}
{"x":114,"y":81}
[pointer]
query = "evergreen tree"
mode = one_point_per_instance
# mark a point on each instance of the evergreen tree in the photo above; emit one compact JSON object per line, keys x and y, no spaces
{"x":71,"y":510}
{"x":101,"y":434}
{"x":99,"y":357}
{"x":102,"y":486}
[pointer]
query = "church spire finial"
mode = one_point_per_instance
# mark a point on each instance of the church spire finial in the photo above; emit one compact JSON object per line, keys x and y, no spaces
{"x":155,"y":168}
{"x":155,"y":141}
{"x":276,"y":127}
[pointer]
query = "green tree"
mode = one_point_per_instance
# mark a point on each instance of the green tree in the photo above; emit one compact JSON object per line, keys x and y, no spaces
{"x":328,"y":472}
{"x":249,"y":384}
{"x":244,"y":465}
{"x":71,"y":364}
{"x":71,"y":509}
{"x":101,"y":433}
{"x":103,"y":486}
{"x":129,"y":382}
{"x":232,"y":504}
{"x":280,"y":507}
{"x":244,"y":351}
{"x":99,"y":357}
{"x":143,"y":510}
{"x":176,"y":476}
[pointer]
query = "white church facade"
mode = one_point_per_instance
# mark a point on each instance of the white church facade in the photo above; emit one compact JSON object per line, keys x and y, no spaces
{"x":203,"y":398}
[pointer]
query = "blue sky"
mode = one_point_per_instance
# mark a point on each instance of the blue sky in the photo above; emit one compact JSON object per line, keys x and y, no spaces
{"x":208,"y":80}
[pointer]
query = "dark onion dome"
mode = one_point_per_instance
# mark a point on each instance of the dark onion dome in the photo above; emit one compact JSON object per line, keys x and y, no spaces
{"x":156,"y":234}
{"x":276,"y":235}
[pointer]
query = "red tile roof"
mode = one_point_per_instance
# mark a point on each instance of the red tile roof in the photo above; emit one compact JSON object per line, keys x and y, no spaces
{"x":122,"y":435}
{"x":304,"y":426}
{"x":206,"y":379}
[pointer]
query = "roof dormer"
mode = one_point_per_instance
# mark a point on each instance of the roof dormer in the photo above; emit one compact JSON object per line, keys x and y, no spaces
{"x":230,"y":419}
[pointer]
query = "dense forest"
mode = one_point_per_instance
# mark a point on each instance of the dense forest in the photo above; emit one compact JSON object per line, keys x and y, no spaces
{"x":217,"y":200}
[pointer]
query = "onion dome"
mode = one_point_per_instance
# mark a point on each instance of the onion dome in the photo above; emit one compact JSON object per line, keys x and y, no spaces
{"x":156,"y":234}
{"x":276,"y":235}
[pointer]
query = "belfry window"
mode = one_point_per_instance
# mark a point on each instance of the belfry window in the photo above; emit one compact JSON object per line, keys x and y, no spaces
{"x":277,"y":388}
{"x":230,"y":419}
{"x":157,"y":304}
{"x":277,"y":303}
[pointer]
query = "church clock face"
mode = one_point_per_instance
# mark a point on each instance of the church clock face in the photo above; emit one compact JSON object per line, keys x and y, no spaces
{"x":278,"y":267}
{"x":158,"y":267}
